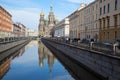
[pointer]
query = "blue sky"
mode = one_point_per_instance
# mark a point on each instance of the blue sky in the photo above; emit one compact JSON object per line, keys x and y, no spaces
{"x":28,"y":11}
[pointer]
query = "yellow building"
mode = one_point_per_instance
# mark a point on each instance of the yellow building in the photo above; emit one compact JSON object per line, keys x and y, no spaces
{"x":84,"y":22}
{"x":74,"y":22}
{"x":109,"y":20}
{"x":99,"y":20}
{"x":81,"y":27}
{"x":91,"y":21}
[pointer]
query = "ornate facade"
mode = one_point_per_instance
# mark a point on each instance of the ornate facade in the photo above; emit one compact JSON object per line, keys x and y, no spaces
{"x":109,"y":21}
{"x":45,"y":27}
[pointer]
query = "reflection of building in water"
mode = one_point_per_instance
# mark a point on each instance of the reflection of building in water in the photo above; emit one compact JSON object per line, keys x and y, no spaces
{"x":5,"y":63}
{"x":41,"y":54}
{"x":5,"y":60}
{"x":4,"y":67}
{"x":19,"y":53}
{"x":45,"y":53}
{"x":32,"y":43}
{"x":50,"y":59}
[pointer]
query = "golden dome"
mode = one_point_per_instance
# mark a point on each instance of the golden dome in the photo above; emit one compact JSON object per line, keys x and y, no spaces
{"x":41,"y":64}
{"x":41,"y":14}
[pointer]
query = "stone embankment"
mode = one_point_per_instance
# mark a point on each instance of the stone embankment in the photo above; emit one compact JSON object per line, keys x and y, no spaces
{"x":105,"y":65}
{"x":8,"y":45}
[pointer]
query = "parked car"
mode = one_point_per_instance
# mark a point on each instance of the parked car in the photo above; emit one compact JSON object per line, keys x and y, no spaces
{"x":84,"y":41}
{"x":118,"y":42}
{"x":75,"y":40}
{"x":1,"y":39}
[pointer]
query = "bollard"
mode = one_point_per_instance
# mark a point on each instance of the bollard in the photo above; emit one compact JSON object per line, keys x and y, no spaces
{"x":91,"y":45}
{"x":70,"y":41}
{"x":114,"y":47}
{"x":78,"y":42}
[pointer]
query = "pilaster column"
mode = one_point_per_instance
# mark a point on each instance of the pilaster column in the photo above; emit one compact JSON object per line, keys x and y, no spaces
{"x":119,"y":20}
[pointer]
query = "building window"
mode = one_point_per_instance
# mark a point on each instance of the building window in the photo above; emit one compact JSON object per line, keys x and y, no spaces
{"x":115,"y":20}
{"x":96,"y":25}
{"x":96,"y":16}
{"x":100,"y":23}
{"x":96,"y":6}
{"x":108,"y":22}
{"x":100,"y":11}
{"x":116,"y":2}
{"x":104,"y":10}
{"x":100,"y":1}
{"x":104,"y":36}
{"x":103,"y":23}
{"x":108,"y":36}
{"x":108,"y":8}
{"x":115,"y":34}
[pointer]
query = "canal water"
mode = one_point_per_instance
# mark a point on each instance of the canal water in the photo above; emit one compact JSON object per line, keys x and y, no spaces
{"x":33,"y":62}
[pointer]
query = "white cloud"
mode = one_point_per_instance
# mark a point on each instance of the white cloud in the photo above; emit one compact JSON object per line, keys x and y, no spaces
{"x":27,"y":16}
{"x":75,"y":1}
{"x":80,"y":1}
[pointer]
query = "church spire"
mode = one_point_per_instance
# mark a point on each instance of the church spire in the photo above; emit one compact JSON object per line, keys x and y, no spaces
{"x":51,"y":8}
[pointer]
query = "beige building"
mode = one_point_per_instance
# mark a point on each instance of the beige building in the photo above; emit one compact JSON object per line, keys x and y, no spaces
{"x":62,"y":28}
{"x":109,"y":20}
{"x":84,"y":22}
{"x":32,"y":33}
{"x":99,"y":20}
{"x":81,"y":24}
{"x":91,"y":21}
{"x":74,"y":23}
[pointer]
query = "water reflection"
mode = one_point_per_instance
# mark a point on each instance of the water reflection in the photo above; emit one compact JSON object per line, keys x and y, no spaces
{"x":33,"y":62}
{"x":43,"y":54}
{"x":4,"y":67}
{"x":5,"y":63}
{"x":75,"y":68}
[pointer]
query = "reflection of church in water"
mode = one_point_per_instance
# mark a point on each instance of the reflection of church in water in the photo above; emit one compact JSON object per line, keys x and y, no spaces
{"x":46,"y":25}
{"x":43,"y":54}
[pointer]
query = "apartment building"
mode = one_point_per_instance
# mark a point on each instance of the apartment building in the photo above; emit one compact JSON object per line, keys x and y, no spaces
{"x":74,"y":23}
{"x":84,"y":22}
{"x":62,"y":28}
{"x":99,"y":20}
{"x":81,"y":27}
{"x":19,"y":30}
{"x":91,"y":21}
{"x":31,"y":32}
{"x":5,"y":23}
{"x":16,"y":30}
{"x":109,"y":20}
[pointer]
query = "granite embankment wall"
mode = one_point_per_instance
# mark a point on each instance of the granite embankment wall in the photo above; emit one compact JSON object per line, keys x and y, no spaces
{"x":7,"y":53}
{"x":107,"y":66}
{"x":8,"y":45}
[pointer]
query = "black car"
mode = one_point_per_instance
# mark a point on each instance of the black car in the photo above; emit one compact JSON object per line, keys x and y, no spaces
{"x":1,"y":39}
